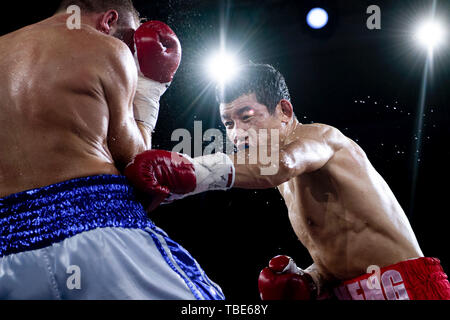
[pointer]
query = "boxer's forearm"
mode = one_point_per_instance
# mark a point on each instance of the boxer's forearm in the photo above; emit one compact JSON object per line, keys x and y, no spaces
{"x":270,"y":172}
{"x":250,"y":176}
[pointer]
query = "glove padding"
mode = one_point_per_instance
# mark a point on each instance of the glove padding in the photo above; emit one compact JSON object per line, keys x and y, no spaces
{"x":283,"y":280}
{"x":161,"y":174}
{"x":157,"y":173}
{"x":158,"y":51}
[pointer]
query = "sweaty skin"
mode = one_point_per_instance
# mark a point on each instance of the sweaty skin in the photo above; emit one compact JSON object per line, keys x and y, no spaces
{"x":66,"y":101}
{"x":340,"y":208}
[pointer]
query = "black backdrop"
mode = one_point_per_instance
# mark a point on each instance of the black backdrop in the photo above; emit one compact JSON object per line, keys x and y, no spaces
{"x":364,"y":82}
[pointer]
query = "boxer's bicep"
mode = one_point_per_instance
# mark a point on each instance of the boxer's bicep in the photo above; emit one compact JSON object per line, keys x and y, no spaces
{"x":312,"y":151}
{"x":303,"y":155}
{"x":125,"y":139}
{"x":292,"y":161}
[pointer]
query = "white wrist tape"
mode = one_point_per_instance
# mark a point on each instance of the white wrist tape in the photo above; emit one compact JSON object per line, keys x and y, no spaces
{"x":213,"y":172}
{"x":146,"y":100}
{"x":291,"y":267}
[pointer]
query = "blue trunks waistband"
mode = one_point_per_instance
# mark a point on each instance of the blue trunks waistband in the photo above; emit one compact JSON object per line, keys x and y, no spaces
{"x":38,"y":218}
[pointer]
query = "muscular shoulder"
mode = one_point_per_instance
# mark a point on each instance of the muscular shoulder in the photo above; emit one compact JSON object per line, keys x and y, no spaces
{"x":110,"y":49}
{"x":332,"y":137}
{"x":321,"y":132}
{"x":111,"y":45}
{"x":346,"y":151}
{"x":113,"y":59}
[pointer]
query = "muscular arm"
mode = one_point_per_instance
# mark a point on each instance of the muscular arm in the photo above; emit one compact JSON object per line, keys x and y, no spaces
{"x":314,"y":146}
{"x":126,"y":138}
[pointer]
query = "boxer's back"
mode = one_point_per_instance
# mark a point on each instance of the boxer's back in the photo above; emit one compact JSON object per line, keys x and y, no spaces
{"x":54,"y":117}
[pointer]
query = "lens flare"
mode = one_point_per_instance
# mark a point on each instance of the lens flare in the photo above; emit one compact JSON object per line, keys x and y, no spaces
{"x":431,"y":34}
{"x":317,"y":18}
{"x":222,"y":67}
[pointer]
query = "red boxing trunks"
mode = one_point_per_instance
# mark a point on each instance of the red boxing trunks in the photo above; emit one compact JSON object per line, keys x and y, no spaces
{"x":416,"y":279}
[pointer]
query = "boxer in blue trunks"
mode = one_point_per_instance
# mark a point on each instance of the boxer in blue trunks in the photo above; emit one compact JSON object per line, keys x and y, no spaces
{"x":77,"y":105}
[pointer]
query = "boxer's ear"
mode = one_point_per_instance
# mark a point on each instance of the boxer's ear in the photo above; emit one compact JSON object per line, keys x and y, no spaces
{"x":108,"y":21}
{"x":286,"y":111}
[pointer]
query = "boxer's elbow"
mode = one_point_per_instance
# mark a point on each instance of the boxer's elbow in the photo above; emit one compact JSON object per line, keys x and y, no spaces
{"x":277,"y":173}
{"x":266,"y":174}
{"x":146,"y":134}
{"x":124,"y":148}
{"x":290,"y":166}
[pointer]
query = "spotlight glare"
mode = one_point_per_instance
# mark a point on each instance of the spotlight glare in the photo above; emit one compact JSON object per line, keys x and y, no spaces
{"x":317,"y":18}
{"x":430,"y":34}
{"x":222,"y":67}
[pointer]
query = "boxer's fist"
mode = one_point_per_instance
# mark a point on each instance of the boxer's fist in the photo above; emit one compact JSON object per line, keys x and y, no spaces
{"x":159,"y":173}
{"x":158,"y":51}
{"x":158,"y":55}
{"x":172,"y":176}
{"x":283,"y":280}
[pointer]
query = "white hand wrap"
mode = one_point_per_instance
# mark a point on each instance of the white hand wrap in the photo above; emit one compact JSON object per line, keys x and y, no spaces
{"x":213,"y":172}
{"x":291,"y":267}
{"x":146,"y":100}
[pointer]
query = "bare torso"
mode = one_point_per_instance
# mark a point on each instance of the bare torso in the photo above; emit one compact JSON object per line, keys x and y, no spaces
{"x":54,"y":117}
{"x":346,"y":215}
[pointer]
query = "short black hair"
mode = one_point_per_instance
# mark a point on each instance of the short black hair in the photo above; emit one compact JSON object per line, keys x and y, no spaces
{"x":263,"y":80}
{"x":97,"y":6}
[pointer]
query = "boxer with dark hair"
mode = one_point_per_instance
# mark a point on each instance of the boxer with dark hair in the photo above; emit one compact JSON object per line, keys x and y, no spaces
{"x":340,"y":208}
{"x":76,"y":109}
{"x":127,"y":15}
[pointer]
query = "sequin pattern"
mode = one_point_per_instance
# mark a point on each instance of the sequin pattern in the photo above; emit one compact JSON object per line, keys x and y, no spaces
{"x":38,"y":218}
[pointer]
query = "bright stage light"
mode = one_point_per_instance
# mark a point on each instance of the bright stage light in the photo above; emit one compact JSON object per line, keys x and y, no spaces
{"x":317,"y":18}
{"x":431,"y":34}
{"x":222,"y":67}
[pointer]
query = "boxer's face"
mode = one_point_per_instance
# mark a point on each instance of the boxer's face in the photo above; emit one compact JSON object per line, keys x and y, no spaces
{"x":244,"y":117}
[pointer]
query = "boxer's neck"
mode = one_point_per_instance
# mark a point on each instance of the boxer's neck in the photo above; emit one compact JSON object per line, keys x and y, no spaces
{"x":89,"y":20}
{"x":291,"y":127}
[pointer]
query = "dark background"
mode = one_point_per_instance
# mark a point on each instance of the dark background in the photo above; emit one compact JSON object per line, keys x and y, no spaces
{"x":364,"y":82}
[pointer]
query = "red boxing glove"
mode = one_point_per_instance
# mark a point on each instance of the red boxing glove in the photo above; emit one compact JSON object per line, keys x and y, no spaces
{"x":158,"y":51}
{"x":158,"y":56}
{"x":168,"y":176}
{"x":283,"y":280}
{"x":159,"y":172}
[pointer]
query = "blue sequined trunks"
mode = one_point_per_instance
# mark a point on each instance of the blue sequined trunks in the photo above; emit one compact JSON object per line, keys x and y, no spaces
{"x":89,"y":238}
